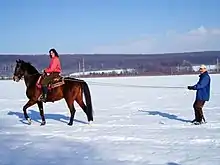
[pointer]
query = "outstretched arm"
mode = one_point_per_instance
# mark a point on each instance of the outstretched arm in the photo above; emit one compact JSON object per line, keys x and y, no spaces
{"x":202,"y":83}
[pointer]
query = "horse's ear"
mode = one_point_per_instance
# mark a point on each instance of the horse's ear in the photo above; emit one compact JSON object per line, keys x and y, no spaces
{"x":17,"y":61}
{"x":21,"y":61}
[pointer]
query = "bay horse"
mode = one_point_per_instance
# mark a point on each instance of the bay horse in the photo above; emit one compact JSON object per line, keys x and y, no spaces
{"x":67,"y":88}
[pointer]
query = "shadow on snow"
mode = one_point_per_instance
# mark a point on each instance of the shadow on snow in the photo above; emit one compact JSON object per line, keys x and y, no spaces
{"x":171,"y":163}
{"x":165,"y":115}
{"x":35,"y":116}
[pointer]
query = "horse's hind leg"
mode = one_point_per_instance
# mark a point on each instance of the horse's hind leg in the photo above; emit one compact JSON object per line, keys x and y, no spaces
{"x":81,"y":103}
{"x":72,"y":113}
{"x":25,"y":107}
{"x":41,"y":109}
{"x":72,"y":110}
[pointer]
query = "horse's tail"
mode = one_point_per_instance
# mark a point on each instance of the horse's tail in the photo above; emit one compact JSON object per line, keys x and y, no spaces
{"x":88,"y":100}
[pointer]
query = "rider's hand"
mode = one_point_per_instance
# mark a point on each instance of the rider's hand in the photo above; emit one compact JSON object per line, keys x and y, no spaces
{"x":43,"y":71}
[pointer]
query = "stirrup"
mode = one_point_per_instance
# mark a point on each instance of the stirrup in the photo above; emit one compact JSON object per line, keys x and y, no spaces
{"x":43,"y":98}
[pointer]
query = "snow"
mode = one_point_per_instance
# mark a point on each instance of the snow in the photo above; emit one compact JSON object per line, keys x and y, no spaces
{"x":141,"y":126}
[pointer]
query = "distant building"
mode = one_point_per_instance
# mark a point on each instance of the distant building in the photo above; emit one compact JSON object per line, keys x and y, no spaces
{"x":186,"y":66}
{"x":209,"y":67}
{"x":116,"y":71}
{"x":189,"y":67}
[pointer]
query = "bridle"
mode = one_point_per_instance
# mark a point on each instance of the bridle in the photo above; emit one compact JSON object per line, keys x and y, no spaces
{"x":19,"y":76}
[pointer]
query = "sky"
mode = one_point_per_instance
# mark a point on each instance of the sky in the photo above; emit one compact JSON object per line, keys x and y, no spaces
{"x":109,"y":26}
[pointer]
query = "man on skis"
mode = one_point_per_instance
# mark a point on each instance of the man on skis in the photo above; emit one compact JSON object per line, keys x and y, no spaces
{"x":202,"y":94}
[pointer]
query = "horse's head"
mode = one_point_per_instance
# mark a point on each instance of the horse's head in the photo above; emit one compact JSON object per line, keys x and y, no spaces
{"x":19,"y":70}
{"x":24,"y":69}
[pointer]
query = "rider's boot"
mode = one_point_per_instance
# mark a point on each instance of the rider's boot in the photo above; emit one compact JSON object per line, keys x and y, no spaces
{"x":44,"y":95}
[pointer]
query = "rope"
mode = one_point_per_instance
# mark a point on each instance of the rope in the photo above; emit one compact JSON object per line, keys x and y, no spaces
{"x":138,"y":86}
{"x":135,"y":86}
{"x":125,"y":85}
{"x":120,"y":85}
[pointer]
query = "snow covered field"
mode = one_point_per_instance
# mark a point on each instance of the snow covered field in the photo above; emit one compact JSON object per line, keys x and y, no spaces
{"x":132,"y":126}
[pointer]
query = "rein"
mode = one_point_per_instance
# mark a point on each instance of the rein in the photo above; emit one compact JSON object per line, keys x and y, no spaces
{"x":34,"y":74}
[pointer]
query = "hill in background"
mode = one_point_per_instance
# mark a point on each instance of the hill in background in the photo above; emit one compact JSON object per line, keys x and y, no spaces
{"x":143,"y":63}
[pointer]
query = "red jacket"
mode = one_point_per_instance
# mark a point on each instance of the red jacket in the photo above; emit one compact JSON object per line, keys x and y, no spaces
{"x":54,"y":65}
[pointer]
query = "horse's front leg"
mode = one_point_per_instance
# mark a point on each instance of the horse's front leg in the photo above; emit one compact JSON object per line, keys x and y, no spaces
{"x":25,"y":107}
{"x":41,"y":109}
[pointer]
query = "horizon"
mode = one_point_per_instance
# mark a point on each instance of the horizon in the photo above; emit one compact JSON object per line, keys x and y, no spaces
{"x":110,"y":27}
{"x":34,"y":54}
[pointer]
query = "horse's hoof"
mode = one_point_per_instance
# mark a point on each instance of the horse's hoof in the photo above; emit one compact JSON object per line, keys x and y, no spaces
{"x":70,"y":124}
{"x":43,"y":123}
{"x":90,"y":123}
{"x":29,"y":121}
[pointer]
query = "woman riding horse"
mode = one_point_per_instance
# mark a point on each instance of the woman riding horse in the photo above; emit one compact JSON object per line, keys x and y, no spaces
{"x":53,"y":71}
{"x":71,"y":90}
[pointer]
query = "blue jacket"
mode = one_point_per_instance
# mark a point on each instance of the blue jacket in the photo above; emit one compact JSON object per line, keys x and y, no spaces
{"x":203,"y":87}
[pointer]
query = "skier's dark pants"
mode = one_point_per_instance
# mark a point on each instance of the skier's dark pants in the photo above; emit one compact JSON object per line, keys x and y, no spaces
{"x":198,"y":105}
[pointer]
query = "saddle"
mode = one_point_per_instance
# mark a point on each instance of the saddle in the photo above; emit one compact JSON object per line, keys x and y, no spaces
{"x":56,"y":82}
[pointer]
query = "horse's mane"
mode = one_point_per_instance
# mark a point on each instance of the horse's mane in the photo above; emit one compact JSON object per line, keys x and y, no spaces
{"x":29,"y":67}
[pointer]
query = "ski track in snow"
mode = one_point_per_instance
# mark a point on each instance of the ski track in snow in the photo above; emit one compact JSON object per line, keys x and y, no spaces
{"x":131,"y":126}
